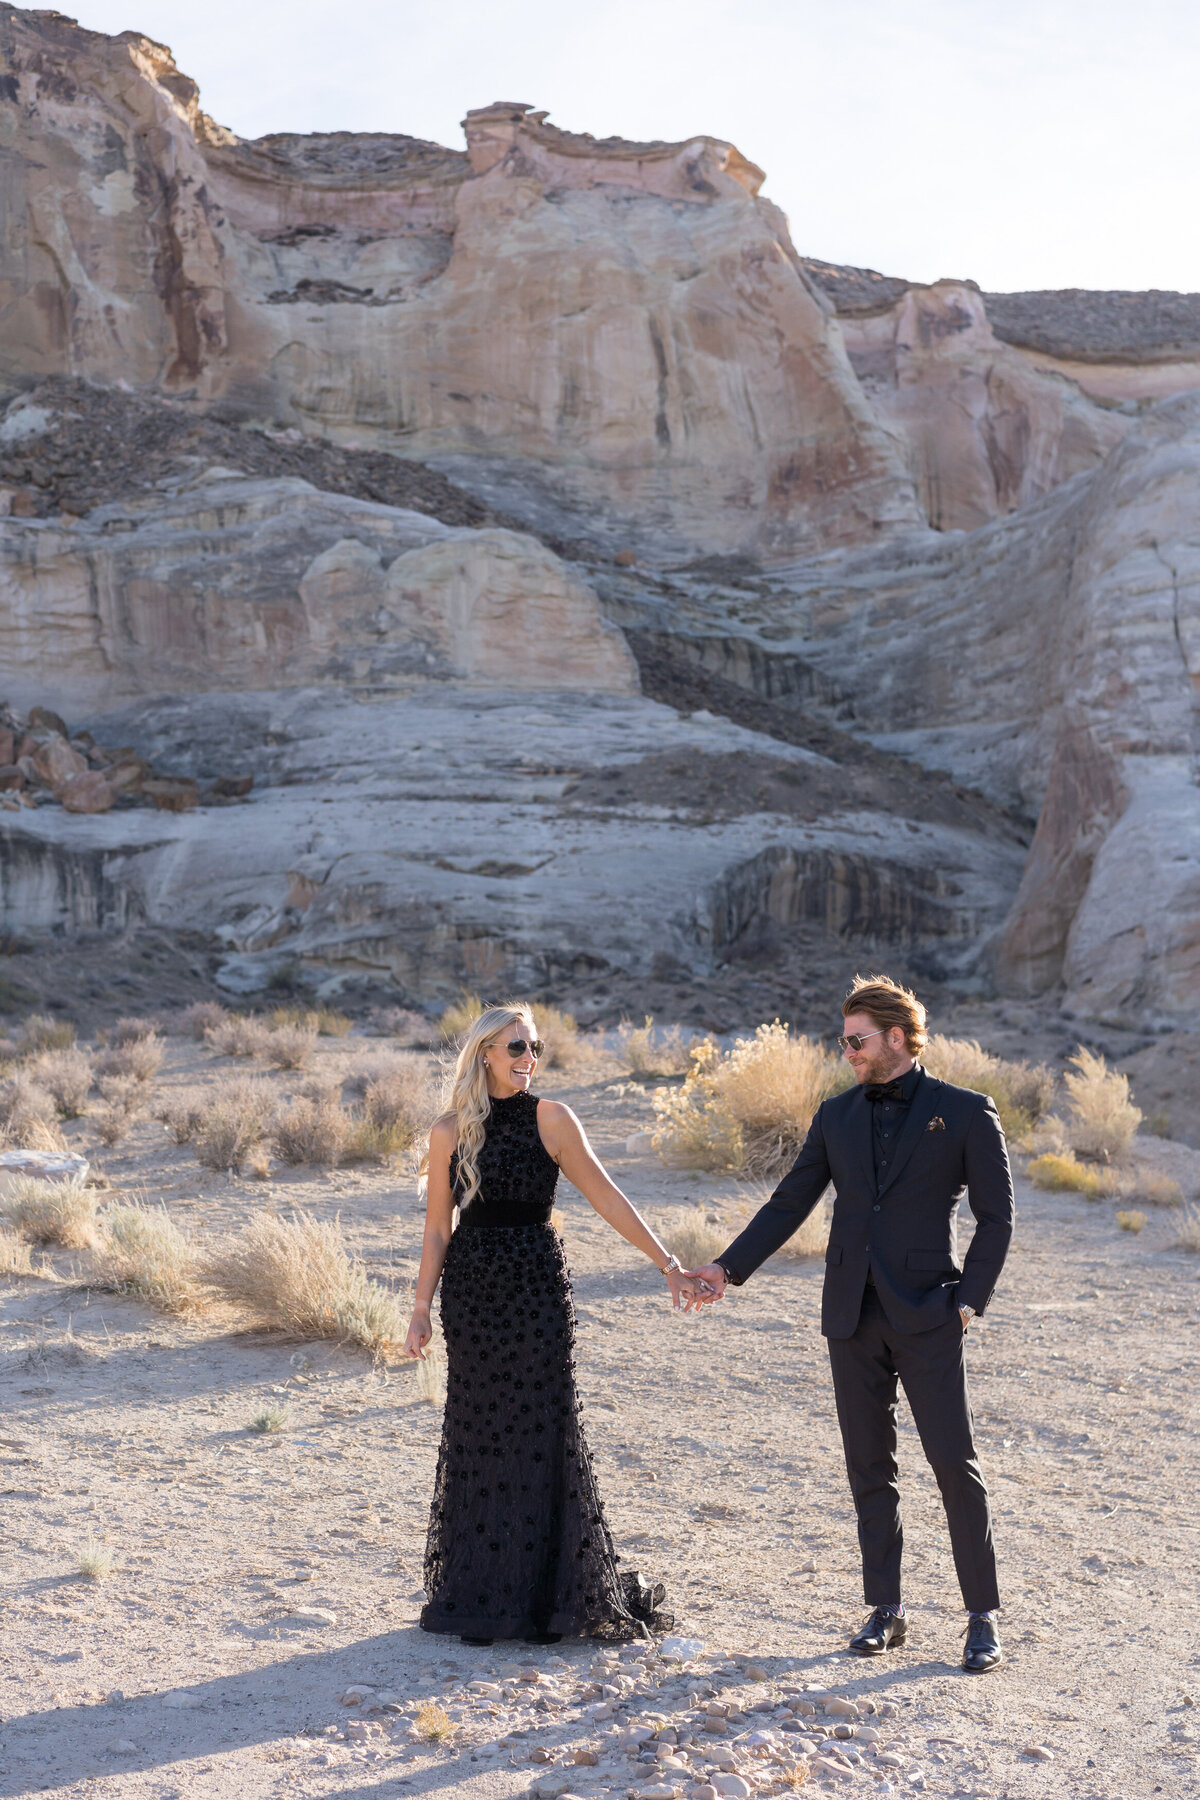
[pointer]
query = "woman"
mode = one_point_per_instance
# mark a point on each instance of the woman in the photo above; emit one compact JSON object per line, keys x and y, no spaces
{"x":518,"y":1545}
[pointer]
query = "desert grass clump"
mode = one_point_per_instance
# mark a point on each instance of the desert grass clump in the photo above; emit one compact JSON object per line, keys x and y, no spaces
{"x":1133,"y":1220}
{"x":296,"y":1275}
{"x":183,"y":1115}
{"x":40,"y":1032}
{"x":203,"y":1016}
{"x":1053,"y":1172}
{"x":1150,"y":1187}
{"x":133,"y":1031}
{"x":566,"y":1046}
{"x":324,"y":1020}
{"x":16,"y":1257}
{"x":233,"y":1123}
{"x":645,"y":1050}
{"x":66,"y":1075}
{"x":136,"y":1058}
{"x":313,"y":1130}
{"x":24,"y":1103}
{"x":51,"y":1212}
{"x":460,"y":1015}
{"x":95,"y":1561}
{"x":399,"y":1022}
{"x":240,"y":1034}
{"x":291,"y":1046}
{"x":143,"y":1251}
{"x":397,"y":1105}
{"x":433,"y":1723}
{"x":271,"y":1418}
{"x":1189,"y":1229}
{"x":1023,"y":1091}
{"x":1103,"y":1119}
{"x":124,"y":1104}
{"x":747,"y":1109}
{"x":692,"y":1236}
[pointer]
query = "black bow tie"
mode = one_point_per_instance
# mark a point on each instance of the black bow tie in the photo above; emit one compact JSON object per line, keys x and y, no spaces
{"x":884,"y":1090}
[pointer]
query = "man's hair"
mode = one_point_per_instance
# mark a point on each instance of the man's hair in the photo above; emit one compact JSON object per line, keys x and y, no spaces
{"x":885,"y":1001}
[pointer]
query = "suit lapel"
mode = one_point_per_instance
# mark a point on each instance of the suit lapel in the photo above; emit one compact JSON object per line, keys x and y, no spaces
{"x":919,"y":1114}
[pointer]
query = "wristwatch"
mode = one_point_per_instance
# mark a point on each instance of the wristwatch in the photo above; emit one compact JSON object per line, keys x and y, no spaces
{"x":968,"y":1312}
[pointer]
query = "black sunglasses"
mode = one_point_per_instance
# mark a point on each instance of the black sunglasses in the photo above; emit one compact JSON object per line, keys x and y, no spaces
{"x":519,"y":1046}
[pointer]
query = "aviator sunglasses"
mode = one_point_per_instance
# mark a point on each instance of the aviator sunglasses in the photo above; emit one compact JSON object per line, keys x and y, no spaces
{"x":854,"y":1042}
{"x":518,"y":1046}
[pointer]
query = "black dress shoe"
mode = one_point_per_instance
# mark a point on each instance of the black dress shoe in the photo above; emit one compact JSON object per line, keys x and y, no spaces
{"x":882,"y":1631}
{"x":982,"y":1650}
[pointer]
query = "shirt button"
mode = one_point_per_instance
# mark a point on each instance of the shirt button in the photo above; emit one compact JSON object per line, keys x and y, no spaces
{"x":874,"y":1209}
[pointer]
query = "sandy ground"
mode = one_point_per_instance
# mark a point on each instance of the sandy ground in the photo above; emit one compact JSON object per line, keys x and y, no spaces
{"x":191,"y":1671}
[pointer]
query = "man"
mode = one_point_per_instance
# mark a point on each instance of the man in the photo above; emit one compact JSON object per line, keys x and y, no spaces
{"x":899,"y":1149}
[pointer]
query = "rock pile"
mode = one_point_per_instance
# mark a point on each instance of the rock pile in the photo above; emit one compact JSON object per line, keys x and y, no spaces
{"x":42,"y":763}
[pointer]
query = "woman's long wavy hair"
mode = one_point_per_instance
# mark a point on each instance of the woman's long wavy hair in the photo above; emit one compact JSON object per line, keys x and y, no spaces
{"x":470,"y":1103}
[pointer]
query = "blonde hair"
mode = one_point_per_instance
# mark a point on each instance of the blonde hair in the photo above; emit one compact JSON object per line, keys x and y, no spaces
{"x":885,"y":1001}
{"x":470,"y":1103}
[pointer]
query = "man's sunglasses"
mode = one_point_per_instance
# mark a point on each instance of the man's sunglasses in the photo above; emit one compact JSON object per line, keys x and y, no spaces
{"x":519,"y":1046}
{"x":854,"y":1042}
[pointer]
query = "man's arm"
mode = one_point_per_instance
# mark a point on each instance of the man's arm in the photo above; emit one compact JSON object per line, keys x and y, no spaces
{"x":784,"y":1213}
{"x":990,"y":1197}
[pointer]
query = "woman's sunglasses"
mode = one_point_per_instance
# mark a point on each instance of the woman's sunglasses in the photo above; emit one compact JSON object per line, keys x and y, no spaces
{"x":519,"y":1046}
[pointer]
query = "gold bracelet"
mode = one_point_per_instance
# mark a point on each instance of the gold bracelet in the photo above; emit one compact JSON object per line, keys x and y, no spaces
{"x":671,"y":1266}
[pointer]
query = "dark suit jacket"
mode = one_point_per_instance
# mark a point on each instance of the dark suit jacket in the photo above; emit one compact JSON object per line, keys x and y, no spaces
{"x":903,"y":1226}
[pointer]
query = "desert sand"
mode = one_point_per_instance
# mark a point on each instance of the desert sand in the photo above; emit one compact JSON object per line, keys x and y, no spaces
{"x":258,"y":1578}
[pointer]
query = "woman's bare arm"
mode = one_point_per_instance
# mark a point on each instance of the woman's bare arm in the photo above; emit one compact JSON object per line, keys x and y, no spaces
{"x":439,"y":1223}
{"x":566,"y":1141}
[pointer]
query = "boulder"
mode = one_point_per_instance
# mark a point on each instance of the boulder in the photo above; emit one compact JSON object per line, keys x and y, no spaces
{"x":54,"y":762}
{"x":87,"y":792}
{"x":40,"y":1165}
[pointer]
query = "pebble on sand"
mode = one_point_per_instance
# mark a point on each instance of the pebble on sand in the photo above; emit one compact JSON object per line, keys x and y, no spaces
{"x":312,"y":1615}
{"x":680,"y":1649}
{"x":1038,"y":1753}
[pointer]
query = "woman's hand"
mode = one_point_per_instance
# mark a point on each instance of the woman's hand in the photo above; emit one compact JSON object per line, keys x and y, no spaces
{"x":684,"y":1288}
{"x":420,"y":1330}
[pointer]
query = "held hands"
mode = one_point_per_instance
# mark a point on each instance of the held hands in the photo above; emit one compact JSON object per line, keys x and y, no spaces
{"x":420,"y":1331}
{"x":707,"y":1285}
{"x":683,"y":1288}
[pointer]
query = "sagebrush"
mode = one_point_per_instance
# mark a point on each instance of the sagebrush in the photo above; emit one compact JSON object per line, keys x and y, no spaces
{"x":297,"y":1276}
{"x":1102,"y":1119}
{"x":142,"y":1251}
{"x":650,"y":1049}
{"x":233,"y":1123}
{"x":51,"y":1212}
{"x":1023,"y":1091}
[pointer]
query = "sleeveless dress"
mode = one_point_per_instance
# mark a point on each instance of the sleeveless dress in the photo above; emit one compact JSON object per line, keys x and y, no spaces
{"x":518,"y":1545}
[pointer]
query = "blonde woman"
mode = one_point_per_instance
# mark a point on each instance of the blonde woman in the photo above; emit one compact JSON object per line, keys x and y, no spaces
{"x":518,"y":1546}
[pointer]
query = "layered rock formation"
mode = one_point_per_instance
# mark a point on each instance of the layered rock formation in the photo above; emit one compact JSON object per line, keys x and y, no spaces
{"x":428,"y":443}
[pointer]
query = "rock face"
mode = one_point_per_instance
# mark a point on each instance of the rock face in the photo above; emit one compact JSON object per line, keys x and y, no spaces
{"x":234,"y":583}
{"x":615,"y":334}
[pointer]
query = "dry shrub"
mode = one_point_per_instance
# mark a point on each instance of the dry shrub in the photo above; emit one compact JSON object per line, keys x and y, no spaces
{"x":296,"y":1275}
{"x":124,"y":1104}
{"x":811,"y":1238}
{"x":431,"y":1373}
{"x":399,"y":1022}
{"x":313,"y":1129}
{"x":42,"y":1033}
{"x":51,"y":1212}
{"x":645,"y":1050}
{"x":183,"y":1115}
{"x":1054,"y":1171}
{"x":25,"y":1105}
{"x":398,"y":1103}
{"x":566,"y":1047}
{"x":66,"y":1075}
{"x":1131,"y":1221}
{"x":1023,"y":1091}
{"x":15,"y":1255}
{"x":138,"y":1058}
{"x":692,"y":1236}
{"x":1149,"y":1186}
{"x":460,"y":1015}
{"x":95,"y":1561}
{"x":143,"y":1252}
{"x":233,"y":1123}
{"x":1189,"y":1229}
{"x":433,"y":1723}
{"x":323,"y":1020}
{"x":198,"y":1020}
{"x":1103,"y":1119}
{"x":9,"y":1052}
{"x":747,"y":1109}
{"x":291,"y":1046}
{"x":33,"y":1134}
{"x":133,"y":1031}
{"x":239,"y":1034}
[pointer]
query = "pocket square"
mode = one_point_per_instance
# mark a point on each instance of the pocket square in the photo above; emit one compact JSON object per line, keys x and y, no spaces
{"x":936,"y":1124}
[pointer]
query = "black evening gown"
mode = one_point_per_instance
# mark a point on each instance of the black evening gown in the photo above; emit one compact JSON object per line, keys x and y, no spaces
{"x":518,"y":1545}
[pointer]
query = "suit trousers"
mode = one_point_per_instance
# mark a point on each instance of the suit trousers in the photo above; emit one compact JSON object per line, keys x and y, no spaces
{"x":932,"y":1367}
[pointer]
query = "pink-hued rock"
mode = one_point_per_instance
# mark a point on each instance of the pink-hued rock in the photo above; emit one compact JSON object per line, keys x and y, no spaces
{"x":54,"y":762}
{"x":88,"y":792}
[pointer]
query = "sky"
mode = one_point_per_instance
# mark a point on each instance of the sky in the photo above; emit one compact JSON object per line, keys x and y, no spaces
{"x":1022,"y":143}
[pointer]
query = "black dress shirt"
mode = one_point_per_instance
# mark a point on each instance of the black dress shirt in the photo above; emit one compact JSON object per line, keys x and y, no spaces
{"x":887,"y":1119}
